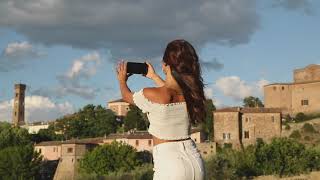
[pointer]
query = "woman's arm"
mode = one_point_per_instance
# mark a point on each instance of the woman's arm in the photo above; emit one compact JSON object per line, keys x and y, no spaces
{"x":123,"y":77}
{"x":154,"y":76}
{"x":157,"y":80}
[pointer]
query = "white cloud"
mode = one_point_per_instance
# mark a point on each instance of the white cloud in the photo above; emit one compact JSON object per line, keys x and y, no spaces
{"x":261,"y":83}
{"x":71,"y":82}
{"x":237,"y":89}
{"x":37,"y":108}
{"x":208,"y":91}
{"x":16,"y":54}
{"x":86,"y":66}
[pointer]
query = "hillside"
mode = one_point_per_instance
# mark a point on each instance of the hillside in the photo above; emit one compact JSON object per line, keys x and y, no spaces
{"x":307,"y":132}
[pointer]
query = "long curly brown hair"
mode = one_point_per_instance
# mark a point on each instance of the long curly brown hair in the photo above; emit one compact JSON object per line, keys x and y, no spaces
{"x":183,"y":60}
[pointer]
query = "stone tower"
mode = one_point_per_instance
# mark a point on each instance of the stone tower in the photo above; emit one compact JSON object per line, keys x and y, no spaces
{"x":18,"y":106}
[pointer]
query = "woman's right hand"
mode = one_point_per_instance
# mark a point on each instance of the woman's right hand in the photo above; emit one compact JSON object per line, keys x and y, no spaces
{"x":151,"y":72}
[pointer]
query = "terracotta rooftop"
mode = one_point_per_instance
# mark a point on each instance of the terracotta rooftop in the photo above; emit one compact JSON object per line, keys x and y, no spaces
{"x":49,"y":143}
{"x":249,"y":110}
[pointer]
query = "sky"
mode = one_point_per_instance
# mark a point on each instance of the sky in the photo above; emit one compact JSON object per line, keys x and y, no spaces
{"x":65,"y":51}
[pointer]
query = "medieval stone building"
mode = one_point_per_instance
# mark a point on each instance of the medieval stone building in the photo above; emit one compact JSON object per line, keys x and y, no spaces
{"x":302,"y":95}
{"x":119,"y":107}
{"x":18,"y":106}
{"x":243,"y":126}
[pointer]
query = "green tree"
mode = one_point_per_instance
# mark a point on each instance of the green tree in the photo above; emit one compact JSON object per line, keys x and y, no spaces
{"x":135,"y":119}
{"x":300,"y":117}
{"x":295,"y":134}
{"x":90,"y":121}
{"x":13,"y":136}
{"x":207,"y":125}
{"x":307,"y":127}
{"x":19,"y":162}
{"x":251,"y":101}
{"x":283,"y":156}
{"x":109,"y":158}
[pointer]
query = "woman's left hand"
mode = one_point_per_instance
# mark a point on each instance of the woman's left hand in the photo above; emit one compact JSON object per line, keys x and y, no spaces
{"x":122,"y":71}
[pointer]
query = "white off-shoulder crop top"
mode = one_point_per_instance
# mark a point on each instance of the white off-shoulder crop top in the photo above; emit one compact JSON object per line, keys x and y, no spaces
{"x":167,"y":121}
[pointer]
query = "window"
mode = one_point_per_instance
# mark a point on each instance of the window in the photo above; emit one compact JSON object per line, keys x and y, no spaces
{"x":39,"y":150}
{"x":204,"y":152}
{"x":195,"y":139}
{"x":16,"y":94}
{"x":272,"y":118}
{"x":70,"y":150}
{"x":282,"y":88}
{"x":246,"y":134}
{"x":15,"y":113}
{"x":149,"y":142}
{"x":137,"y":142}
{"x":247,"y":119}
{"x":226,"y":135}
{"x":54,"y":149}
{"x":304,"y":102}
{"x":274,"y":88}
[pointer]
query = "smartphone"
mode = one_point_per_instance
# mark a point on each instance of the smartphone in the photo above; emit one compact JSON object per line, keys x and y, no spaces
{"x":137,"y":68}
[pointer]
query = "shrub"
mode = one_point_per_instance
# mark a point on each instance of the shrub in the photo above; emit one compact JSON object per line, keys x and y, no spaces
{"x":307,"y":127}
{"x":300,"y":117}
{"x":287,"y":127}
{"x":295,"y":134}
{"x":109,"y":158}
{"x":307,"y":138}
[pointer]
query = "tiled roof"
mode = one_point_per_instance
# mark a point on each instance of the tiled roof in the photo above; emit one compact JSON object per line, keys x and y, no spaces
{"x":49,"y":143}
{"x":249,"y":110}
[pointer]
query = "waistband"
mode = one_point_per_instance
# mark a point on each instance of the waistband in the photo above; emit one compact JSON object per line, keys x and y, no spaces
{"x":174,"y":144}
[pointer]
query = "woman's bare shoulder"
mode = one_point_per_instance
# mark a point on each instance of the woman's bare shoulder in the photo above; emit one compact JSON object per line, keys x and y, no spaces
{"x":157,"y":95}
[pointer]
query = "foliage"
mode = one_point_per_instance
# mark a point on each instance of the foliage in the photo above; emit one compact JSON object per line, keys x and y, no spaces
{"x":114,"y":157}
{"x":300,"y":117}
{"x":135,"y":120}
{"x":19,"y":162}
{"x":13,"y":136}
{"x":287,"y":127}
{"x":307,"y":127}
{"x":295,"y":134}
{"x":143,"y":172}
{"x":207,"y":125}
{"x":283,"y":157}
{"x":90,"y":121}
{"x":46,"y":135}
{"x":251,"y":101}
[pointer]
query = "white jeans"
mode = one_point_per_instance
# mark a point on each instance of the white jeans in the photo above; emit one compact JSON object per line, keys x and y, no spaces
{"x":178,"y":160}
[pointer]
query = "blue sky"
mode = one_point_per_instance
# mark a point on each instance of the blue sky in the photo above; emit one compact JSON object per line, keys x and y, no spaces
{"x":68,"y":62}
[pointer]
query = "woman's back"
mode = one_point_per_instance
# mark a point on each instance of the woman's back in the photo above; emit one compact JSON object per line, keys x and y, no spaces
{"x":168,"y":119}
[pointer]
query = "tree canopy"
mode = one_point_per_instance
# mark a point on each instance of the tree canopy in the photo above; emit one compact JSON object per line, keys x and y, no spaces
{"x":90,"y":121}
{"x":110,"y":158}
{"x":251,"y":101}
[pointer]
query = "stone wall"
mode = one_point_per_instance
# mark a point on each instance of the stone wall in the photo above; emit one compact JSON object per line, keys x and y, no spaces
{"x":226,"y":128}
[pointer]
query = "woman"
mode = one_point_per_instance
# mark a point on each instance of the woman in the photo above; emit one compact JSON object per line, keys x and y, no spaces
{"x":172,"y":107}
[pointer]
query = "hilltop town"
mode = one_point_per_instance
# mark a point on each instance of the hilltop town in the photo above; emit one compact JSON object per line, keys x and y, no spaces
{"x":235,"y":127}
